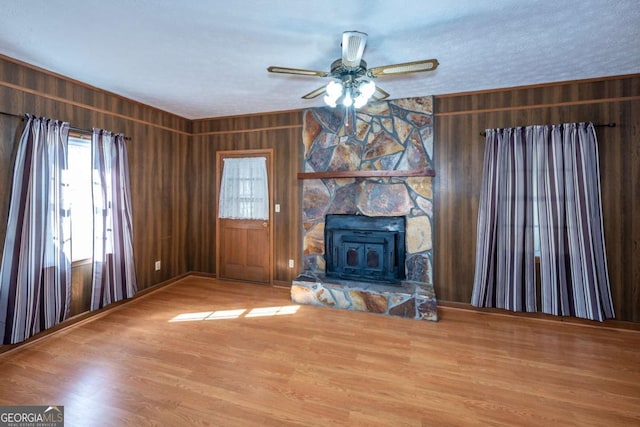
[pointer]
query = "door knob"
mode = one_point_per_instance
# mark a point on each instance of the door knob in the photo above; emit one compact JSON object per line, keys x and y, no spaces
{"x":265,"y":224}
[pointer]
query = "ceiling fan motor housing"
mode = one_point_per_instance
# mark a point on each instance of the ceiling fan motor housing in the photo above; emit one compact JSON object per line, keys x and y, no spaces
{"x":338,"y":70}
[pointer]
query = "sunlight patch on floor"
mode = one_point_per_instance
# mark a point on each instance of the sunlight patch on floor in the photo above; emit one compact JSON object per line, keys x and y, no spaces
{"x":226,"y":314}
{"x":234,"y":314}
{"x":273,"y":311}
{"x":191,"y":317}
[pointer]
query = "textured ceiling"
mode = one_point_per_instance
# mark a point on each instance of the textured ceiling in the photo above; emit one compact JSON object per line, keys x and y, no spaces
{"x":201,"y":59}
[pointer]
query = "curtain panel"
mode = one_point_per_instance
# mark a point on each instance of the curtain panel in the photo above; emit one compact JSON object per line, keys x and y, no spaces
{"x":114,"y":275}
{"x":36,"y":261}
{"x":563,"y":161}
{"x":573,"y":264}
{"x":505,"y":250}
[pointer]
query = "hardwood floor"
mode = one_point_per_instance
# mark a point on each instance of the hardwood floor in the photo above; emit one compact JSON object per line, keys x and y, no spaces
{"x":134,"y":366}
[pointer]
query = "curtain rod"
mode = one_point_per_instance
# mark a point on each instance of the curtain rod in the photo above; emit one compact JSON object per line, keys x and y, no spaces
{"x":75,"y":129}
{"x":601,"y":125}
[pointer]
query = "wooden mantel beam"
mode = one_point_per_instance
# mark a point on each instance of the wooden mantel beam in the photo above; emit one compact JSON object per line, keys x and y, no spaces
{"x":366,"y":174}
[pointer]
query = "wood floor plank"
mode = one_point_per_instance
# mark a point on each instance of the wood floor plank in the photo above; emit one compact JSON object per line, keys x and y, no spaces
{"x":178,"y":356}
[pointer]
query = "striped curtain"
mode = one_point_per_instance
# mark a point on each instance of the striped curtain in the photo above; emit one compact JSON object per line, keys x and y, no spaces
{"x":574,"y":277}
{"x":505,"y":259}
{"x":114,"y":275}
{"x":573,"y":263}
{"x":36,"y":263}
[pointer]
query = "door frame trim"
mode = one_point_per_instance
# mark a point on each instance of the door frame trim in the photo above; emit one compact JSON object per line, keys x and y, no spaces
{"x":269,"y":154}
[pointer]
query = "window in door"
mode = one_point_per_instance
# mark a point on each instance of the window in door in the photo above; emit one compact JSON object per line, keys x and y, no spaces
{"x":244,"y":192}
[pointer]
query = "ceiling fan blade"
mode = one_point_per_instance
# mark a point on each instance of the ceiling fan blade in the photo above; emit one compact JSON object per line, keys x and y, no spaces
{"x":315,"y":93}
{"x":379,"y":94}
{"x":298,"y":71}
{"x":353,"y":43}
{"x":404,"y":68}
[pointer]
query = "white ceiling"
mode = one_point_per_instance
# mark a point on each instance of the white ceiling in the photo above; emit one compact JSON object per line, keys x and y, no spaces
{"x":201,"y":59}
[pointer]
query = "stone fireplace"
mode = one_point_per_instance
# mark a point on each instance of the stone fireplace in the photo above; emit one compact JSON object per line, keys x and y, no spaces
{"x":379,"y":175}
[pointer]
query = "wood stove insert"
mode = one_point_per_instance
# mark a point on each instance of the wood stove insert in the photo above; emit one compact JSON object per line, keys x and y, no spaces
{"x":359,"y":247}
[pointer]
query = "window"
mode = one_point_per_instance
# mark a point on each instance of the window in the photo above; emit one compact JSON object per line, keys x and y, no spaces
{"x":244,"y":189}
{"x":80,"y":198}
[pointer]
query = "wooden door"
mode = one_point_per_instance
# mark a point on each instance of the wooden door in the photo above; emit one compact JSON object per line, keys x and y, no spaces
{"x":244,"y":247}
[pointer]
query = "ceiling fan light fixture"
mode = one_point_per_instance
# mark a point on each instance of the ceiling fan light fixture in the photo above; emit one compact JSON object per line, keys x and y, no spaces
{"x":355,"y":94}
{"x":360,"y":101}
{"x":366,"y":89}
{"x":334,"y":89}
{"x":348,"y":100}
{"x":331,"y":102}
{"x":333,"y":92}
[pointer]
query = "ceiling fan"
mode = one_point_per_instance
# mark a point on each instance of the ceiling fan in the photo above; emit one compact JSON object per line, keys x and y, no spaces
{"x":352,"y":85}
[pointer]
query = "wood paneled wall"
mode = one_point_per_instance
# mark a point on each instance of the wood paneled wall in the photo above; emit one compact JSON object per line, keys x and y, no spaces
{"x":172,"y":163}
{"x":281,"y":132}
{"x":459,"y":153}
{"x":157,"y":156}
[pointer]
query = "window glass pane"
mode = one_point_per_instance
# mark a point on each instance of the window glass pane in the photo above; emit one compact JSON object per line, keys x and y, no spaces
{"x":80,"y":198}
{"x":536,"y":223}
{"x":244,"y":189}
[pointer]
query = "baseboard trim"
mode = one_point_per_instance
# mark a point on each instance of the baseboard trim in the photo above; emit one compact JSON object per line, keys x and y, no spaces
{"x":618,"y":325}
{"x":201,"y":274}
{"x":281,"y":284}
{"x":274,"y":283}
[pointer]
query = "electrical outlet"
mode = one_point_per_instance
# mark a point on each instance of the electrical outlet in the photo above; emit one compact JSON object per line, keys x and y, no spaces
{"x":157,"y":265}
{"x":291,"y":263}
{"x":277,"y":208}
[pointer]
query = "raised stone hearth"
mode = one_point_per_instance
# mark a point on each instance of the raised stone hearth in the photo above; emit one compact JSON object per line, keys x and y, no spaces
{"x":412,"y":300}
